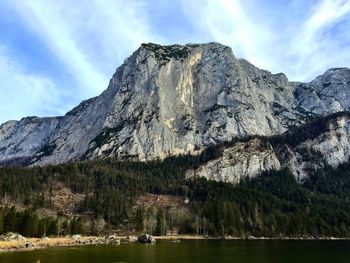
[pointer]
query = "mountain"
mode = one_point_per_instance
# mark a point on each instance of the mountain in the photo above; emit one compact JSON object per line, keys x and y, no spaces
{"x":320,"y":143}
{"x":170,"y":100}
{"x":172,"y":117}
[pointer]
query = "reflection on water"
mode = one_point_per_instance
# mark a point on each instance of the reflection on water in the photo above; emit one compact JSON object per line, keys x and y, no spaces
{"x":203,"y":251}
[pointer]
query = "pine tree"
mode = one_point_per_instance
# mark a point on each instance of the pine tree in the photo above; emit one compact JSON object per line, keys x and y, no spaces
{"x":161,"y":222}
{"x":32,"y":223}
{"x":76,"y":226}
{"x":65,"y":229}
{"x":94,"y":230}
{"x":140,"y":218}
{"x":10,"y":220}
{"x":52,"y":227}
{"x":2,"y":221}
{"x":41,"y":228}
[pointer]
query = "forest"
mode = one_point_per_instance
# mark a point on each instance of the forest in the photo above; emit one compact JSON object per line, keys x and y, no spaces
{"x":273,"y":204}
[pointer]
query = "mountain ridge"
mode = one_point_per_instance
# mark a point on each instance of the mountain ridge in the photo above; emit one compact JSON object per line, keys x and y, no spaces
{"x":170,"y":100}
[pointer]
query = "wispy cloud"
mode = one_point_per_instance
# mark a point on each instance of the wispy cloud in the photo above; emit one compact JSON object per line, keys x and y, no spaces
{"x":82,"y":42}
{"x":302,"y":48}
{"x":25,"y":94}
{"x":89,"y":39}
{"x":317,"y":43}
{"x":87,"y":35}
{"x":227,"y":23}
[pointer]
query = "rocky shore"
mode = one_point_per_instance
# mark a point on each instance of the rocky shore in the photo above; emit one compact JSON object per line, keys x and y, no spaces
{"x":15,"y":242}
{"x":12,"y":242}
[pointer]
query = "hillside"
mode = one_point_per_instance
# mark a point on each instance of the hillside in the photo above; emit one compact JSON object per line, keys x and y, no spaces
{"x":185,"y":139}
{"x":170,"y":100}
{"x":156,"y":197}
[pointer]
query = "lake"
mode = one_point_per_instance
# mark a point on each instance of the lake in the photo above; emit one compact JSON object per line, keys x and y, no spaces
{"x":193,"y":251}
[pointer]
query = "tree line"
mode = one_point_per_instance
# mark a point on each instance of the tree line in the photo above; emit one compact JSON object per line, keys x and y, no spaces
{"x":272,"y":204}
{"x":28,"y":223}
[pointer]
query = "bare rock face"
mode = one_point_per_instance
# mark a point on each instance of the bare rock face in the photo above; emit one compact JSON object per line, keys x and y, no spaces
{"x":326,"y":94}
{"x":244,"y":159}
{"x":331,"y":147}
{"x":19,"y":140}
{"x":178,"y":99}
{"x":248,"y":159}
{"x":169,"y":100}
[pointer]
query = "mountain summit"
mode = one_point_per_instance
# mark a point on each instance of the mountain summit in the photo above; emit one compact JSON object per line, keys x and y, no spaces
{"x":170,"y":100}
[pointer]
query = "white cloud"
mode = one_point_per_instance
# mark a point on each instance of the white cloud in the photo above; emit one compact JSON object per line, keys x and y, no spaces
{"x":305,"y":47}
{"x":227,"y":23}
{"x":316,"y":49}
{"x":90,"y":37}
{"x":25,"y":94}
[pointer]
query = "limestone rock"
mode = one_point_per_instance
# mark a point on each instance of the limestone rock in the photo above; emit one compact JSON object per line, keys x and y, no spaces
{"x":328,"y":93}
{"x":239,"y":161}
{"x":12,"y":237}
{"x":112,"y":239}
{"x":169,"y":100}
{"x":20,"y":140}
{"x":249,"y":159}
{"x":130,"y":239}
{"x":331,"y":148}
{"x":146,"y":238}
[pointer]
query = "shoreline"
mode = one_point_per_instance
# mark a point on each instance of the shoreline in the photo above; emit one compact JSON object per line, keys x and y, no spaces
{"x":29,"y":244}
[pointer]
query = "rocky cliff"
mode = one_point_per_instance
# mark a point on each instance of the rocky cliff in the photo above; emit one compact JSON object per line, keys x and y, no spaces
{"x":244,"y":159}
{"x":325,"y":141}
{"x":168,"y":100}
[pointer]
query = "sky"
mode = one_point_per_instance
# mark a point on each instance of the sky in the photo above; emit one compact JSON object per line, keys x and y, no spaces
{"x":54,"y":54}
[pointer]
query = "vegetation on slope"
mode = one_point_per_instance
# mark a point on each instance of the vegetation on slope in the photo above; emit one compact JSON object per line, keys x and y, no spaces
{"x":273,"y":204}
{"x":164,"y":53}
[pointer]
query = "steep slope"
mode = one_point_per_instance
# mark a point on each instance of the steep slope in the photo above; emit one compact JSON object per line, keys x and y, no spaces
{"x":20,"y":140}
{"x":320,"y":142}
{"x":326,"y":94}
{"x":243,"y":159}
{"x":176,"y":99}
{"x":168,"y":100}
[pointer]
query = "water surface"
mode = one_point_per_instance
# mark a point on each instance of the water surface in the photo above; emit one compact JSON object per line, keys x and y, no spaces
{"x":193,"y":251}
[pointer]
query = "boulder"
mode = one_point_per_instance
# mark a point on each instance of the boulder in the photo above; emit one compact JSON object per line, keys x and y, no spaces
{"x":146,"y":238}
{"x":112,"y":239}
{"x":130,"y":239}
{"x":11,"y":236}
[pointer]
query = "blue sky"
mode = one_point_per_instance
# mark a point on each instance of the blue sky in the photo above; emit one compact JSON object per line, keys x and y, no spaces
{"x":53,"y":54}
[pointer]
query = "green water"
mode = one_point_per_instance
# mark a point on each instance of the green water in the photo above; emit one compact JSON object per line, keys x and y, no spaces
{"x":194,"y":251}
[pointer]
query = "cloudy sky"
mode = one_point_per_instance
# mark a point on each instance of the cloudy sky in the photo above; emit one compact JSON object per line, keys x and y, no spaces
{"x":53,"y":54}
